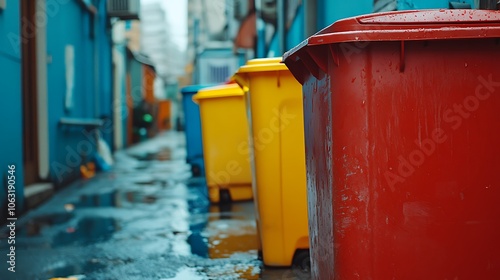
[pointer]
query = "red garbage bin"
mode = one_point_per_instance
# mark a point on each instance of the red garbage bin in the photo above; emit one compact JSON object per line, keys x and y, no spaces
{"x":402,"y":127}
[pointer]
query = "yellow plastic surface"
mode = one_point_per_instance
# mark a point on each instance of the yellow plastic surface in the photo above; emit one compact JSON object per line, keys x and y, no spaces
{"x":257,"y":65}
{"x":224,"y":130}
{"x":263,"y":65}
{"x":229,"y":90}
{"x":274,"y":107}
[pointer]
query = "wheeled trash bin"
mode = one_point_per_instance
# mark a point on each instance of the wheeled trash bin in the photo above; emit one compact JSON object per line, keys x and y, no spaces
{"x":192,"y":128}
{"x":225,"y":129}
{"x":402,"y":131}
{"x":274,"y":107}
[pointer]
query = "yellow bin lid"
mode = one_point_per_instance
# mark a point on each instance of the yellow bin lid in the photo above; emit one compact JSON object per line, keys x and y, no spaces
{"x":227,"y":90}
{"x":263,"y":65}
{"x":257,"y":65}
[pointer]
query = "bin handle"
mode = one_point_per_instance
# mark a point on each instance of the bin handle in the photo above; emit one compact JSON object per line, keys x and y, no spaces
{"x":335,"y":55}
{"x":311,"y":65}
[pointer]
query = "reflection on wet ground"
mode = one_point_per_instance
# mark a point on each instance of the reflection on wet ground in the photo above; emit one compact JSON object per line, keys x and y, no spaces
{"x":75,"y":269}
{"x":89,"y":230}
{"x":224,"y":232}
{"x":146,"y":219}
{"x":116,"y":198}
{"x":36,"y":225}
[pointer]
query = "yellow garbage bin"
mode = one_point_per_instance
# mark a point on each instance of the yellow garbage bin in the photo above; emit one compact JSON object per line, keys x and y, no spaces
{"x":274,"y":106}
{"x":224,"y":129}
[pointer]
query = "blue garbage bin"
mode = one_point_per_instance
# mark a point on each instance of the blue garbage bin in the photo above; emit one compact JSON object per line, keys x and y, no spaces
{"x":192,"y":128}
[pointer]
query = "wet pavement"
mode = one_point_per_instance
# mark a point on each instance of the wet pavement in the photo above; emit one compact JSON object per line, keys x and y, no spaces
{"x":145,"y":219}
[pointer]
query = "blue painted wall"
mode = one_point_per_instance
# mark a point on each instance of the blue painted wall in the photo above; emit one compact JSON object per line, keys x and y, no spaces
{"x":72,"y":26}
{"x":330,"y":11}
{"x":67,"y":24}
{"x":103,"y":36}
{"x":295,"y":33}
{"x":11,"y":105}
{"x":122,"y":49}
{"x":428,"y":4}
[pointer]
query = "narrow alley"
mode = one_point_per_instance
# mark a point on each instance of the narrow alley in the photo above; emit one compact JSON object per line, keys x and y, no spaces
{"x":145,"y":219}
{"x":249,"y":139}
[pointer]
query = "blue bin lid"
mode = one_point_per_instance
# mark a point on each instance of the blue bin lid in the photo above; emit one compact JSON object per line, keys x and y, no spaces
{"x":194,"y":88}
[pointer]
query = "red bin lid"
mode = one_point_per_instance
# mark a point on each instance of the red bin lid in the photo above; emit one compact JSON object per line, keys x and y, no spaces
{"x":412,"y":25}
{"x":397,"y":26}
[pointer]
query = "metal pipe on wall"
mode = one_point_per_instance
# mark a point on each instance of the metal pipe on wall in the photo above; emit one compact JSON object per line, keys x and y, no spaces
{"x":310,"y":16}
{"x":281,"y":10}
{"x":96,"y":23}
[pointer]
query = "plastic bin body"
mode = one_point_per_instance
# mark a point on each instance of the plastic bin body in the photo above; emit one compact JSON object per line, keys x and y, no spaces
{"x":225,"y":130}
{"x":274,"y":105}
{"x":192,"y":127}
{"x":402,"y":132}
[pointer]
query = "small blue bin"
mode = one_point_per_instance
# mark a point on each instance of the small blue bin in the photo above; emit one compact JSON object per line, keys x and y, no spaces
{"x":192,"y":127}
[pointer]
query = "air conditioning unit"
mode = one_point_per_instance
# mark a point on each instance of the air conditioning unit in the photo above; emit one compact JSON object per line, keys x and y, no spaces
{"x":216,"y":64}
{"x":124,"y":9}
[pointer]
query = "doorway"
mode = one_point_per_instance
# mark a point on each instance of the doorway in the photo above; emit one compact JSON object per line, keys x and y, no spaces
{"x":29,"y":91}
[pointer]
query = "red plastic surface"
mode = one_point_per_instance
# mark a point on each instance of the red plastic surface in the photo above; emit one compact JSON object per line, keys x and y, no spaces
{"x":403,"y":158}
{"x":410,"y":25}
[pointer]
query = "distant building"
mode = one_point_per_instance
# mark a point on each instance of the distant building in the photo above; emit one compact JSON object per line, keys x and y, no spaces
{"x":212,"y":30}
{"x":157,"y":44}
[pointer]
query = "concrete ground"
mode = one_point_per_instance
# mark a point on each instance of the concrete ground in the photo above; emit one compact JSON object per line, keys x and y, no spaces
{"x":146,"y":219}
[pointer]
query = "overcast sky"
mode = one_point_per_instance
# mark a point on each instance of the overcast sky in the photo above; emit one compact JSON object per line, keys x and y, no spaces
{"x":177,"y":18}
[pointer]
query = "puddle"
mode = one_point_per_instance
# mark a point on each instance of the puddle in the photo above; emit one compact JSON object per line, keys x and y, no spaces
{"x":198,"y":204}
{"x":198,"y":244}
{"x":146,"y":183}
{"x":247,"y":269}
{"x":187,"y":273}
{"x":225,"y":239}
{"x":107,"y":199}
{"x":271,"y":273}
{"x":139,"y":197}
{"x":37,"y":224}
{"x":149,"y":156}
{"x":74,"y":269}
{"x":141,"y":166}
{"x":223,"y":232}
{"x":89,"y":230}
{"x":164,"y":154}
{"x":115,"y":199}
{"x":196,"y":182}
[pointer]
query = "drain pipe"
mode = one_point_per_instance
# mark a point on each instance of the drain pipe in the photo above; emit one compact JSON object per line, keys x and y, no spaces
{"x":97,"y":103}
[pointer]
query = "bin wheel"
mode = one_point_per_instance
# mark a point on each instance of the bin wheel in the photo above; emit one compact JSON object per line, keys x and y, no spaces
{"x":196,"y":170}
{"x":260,"y":255}
{"x":225,"y":196}
{"x":302,"y":260}
{"x":225,"y":208}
